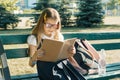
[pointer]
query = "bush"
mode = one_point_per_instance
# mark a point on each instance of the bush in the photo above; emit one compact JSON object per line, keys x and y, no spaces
{"x":6,"y":18}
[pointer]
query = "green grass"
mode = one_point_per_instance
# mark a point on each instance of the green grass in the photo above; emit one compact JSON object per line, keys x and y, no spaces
{"x":16,"y":31}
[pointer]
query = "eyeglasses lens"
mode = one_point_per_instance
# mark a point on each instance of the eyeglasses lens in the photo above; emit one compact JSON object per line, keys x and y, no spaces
{"x":48,"y":25}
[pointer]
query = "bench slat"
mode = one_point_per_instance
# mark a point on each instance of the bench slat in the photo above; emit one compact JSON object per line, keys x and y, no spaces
{"x":21,"y":38}
{"x":25,"y":76}
{"x":109,"y":75}
{"x":16,"y":53}
{"x":107,"y":46}
{"x":116,"y":68}
{"x":13,"y":39}
{"x":113,"y":64}
{"x":93,"y":36}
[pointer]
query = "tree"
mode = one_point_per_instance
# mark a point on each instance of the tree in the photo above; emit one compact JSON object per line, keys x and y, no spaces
{"x":112,"y":4}
{"x":62,"y":6}
{"x":42,"y":4}
{"x":6,"y":18}
{"x":90,"y":14}
{"x":64,"y":13}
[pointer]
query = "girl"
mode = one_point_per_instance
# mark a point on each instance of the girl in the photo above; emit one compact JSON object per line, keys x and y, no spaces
{"x":48,"y":27}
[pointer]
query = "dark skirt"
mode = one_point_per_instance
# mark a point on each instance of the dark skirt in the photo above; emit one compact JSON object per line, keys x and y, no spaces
{"x":61,"y":70}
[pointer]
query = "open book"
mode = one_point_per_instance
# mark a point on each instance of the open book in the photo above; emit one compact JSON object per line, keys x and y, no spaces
{"x":56,"y":50}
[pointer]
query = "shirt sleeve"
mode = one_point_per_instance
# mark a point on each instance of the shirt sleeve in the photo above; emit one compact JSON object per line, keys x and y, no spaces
{"x":61,"y":38}
{"x":31,"y":40}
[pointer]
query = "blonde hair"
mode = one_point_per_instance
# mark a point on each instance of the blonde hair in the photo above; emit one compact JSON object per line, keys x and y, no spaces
{"x":48,"y":13}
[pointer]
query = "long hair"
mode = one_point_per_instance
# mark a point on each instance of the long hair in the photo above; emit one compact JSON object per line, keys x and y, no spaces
{"x":48,"y":13}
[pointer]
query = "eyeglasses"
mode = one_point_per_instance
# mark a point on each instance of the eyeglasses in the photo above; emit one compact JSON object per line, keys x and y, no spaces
{"x":48,"y":25}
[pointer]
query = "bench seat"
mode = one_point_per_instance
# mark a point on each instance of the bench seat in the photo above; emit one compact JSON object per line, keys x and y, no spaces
{"x":113,"y":71}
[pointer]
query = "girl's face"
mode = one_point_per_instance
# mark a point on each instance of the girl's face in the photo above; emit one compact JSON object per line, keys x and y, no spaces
{"x":50,"y":26}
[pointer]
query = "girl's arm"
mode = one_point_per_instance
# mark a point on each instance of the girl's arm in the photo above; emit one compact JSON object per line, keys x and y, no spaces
{"x":34,"y":55}
{"x":32,"y":43}
{"x":32,"y":51}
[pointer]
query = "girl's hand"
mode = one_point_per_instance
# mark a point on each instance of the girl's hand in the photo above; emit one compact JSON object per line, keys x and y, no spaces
{"x":40,"y":53}
{"x":71,"y":50}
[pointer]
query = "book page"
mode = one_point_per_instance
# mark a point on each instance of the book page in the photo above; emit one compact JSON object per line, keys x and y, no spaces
{"x":64,"y":51}
{"x":56,"y":50}
{"x":52,"y":49}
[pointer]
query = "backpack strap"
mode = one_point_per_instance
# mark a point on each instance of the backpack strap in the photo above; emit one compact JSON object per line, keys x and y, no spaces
{"x":87,"y":51}
{"x":91,"y":49}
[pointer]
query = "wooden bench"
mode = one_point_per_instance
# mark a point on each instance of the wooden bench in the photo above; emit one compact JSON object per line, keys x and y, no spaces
{"x":113,"y":69}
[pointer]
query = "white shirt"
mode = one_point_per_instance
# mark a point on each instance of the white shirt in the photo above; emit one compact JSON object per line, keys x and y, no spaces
{"x":33,"y":41}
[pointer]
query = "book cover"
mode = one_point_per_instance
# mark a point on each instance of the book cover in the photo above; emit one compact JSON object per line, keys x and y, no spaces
{"x":56,"y":50}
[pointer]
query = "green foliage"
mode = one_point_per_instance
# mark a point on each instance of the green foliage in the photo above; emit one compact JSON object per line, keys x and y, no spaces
{"x":91,"y":13}
{"x":42,"y":4}
{"x":64,"y":14}
{"x":9,"y":5}
{"x":62,"y":6}
{"x":6,"y":18}
{"x":112,"y":4}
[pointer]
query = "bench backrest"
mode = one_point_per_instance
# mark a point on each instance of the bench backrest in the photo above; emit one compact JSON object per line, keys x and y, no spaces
{"x":21,"y":39}
{"x":99,"y":36}
{"x":10,"y":40}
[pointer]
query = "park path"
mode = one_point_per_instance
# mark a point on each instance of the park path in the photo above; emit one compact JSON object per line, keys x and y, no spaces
{"x":112,"y":20}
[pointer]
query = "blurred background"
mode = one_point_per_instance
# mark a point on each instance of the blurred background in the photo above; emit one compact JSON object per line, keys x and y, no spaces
{"x":22,"y":14}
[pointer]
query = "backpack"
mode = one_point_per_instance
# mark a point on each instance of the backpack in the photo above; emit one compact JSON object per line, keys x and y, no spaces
{"x":86,"y":56}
